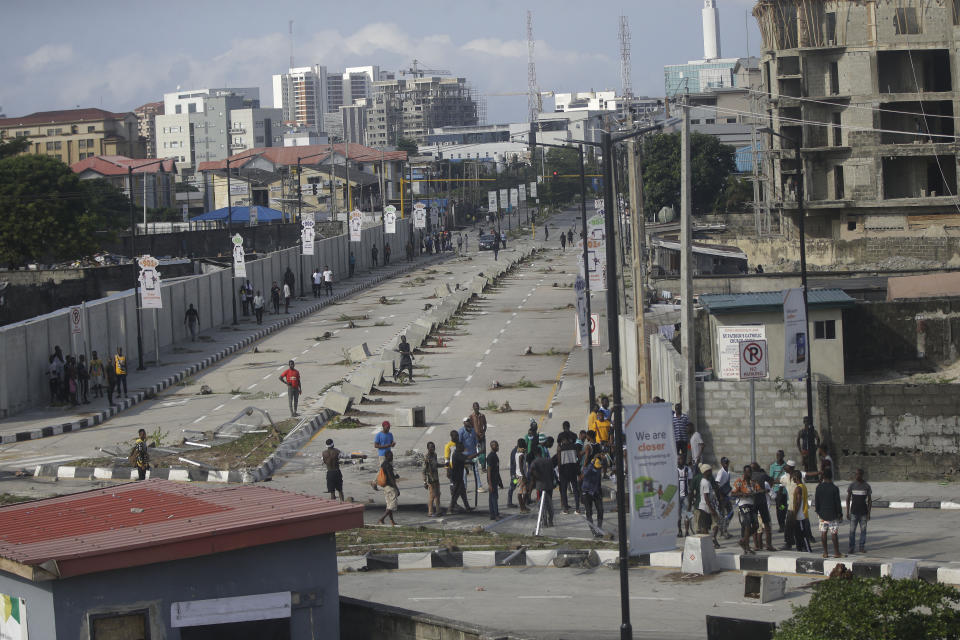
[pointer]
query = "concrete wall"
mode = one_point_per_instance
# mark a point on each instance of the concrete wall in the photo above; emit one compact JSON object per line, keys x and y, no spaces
{"x":39,"y":603}
{"x":825,"y":253}
{"x":112,"y":322}
{"x":666,"y":370}
{"x":362,"y":620}
{"x":305,"y":567}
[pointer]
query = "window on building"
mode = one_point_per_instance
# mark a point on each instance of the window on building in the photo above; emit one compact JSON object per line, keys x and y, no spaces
{"x":852,"y":224}
{"x":837,"y":131}
{"x":905,"y":21}
{"x":695,"y":121}
{"x":91,"y":128}
{"x":120,"y":626}
{"x":81,"y":144}
{"x":51,"y":146}
{"x":830,"y":27}
{"x":731,"y":121}
{"x":838,"y":189}
{"x":956,"y":13}
{"x":710,"y":121}
{"x":825,"y":330}
{"x":23,"y":134}
{"x":834,"y":73}
{"x":178,"y":108}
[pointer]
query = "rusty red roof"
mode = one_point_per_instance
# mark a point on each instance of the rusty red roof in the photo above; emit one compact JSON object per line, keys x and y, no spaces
{"x":157,"y":521}
{"x":287,"y":156}
{"x":117,"y":165}
{"x":60,"y":117}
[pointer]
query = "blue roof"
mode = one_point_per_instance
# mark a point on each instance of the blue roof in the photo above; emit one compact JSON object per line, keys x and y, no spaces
{"x":242,"y":214}
{"x":719,"y":303}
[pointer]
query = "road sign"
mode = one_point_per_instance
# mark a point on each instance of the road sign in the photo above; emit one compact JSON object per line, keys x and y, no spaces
{"x":594,"y":330}
{"x":753,"y":359}
{"x":76,"y":320}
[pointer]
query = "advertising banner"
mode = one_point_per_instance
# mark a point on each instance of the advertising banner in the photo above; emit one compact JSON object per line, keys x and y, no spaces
{"x":308,"y":233}
{"x":491,"y":201}
{"x":419,"y":216}
{"x":239,"y":259}
{"x":596,"y":253}
{"x":13,"y":620}
{"x":149,"y":283}
{"x":652,"y":473}
{"x":356,"y":225}
{"x":583,"y":321}
{"x":533,"y":189}
{"x":795,"y":335}
{"x":390,"y":219}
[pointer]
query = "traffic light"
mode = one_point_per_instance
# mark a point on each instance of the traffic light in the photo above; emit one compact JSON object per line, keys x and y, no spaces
{"x":314,"y":188}
{"x":555,"y":174}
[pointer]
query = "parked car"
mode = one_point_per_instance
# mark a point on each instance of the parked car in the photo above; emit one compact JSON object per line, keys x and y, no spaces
{"x":486,"y":242}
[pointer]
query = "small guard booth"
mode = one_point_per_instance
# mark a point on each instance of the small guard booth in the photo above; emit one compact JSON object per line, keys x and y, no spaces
{"x":160,"y":560}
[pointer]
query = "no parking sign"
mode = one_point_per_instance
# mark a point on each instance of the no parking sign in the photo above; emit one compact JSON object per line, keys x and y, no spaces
{"x":753,"y":359}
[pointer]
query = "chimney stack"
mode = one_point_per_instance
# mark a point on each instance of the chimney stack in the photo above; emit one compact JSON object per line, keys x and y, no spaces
{"x":711,"y":30}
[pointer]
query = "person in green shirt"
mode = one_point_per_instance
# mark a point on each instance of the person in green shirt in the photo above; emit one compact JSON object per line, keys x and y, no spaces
{"x":776,"y":471}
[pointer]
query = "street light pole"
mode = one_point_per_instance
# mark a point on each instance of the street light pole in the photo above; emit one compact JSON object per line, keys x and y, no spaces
{"x":303,"y":291}
{"x":592,"y":390}
{"x":233,"y":273}
{"x":801,"y":229}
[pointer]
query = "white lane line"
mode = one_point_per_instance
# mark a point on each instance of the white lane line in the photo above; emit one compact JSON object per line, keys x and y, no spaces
{"x":487,"y":352}
{"x":430,"y":429}
{"x":469,"y":378}
{"x":751,"y":604}
{"x":252,"y":386}
{"x":304,"y":351}
{"x":25,"y":462}
{"x":200,"y":419}
{"x":649,"y":598}
{"x":496,"y":340}
{"x":438,"y":598}
{"x":544,"y":597}
{"x":218,"y":407}
{"x":509,"y":321}
{"x":503,"y":330}
{"x":445,"y":409}
{"x":280,"y":368}
{"x":235,"y":397}
{"x":283,"y":395}
{"x":519,"y":307}
{"x":175,"y":404}
{"x":480,"y":364}
{"x":459,"y":391}
{"x":266,"y":376}
{"x":514,"y":313}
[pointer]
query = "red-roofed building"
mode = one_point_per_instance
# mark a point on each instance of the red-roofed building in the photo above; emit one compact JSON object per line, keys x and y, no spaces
{"x":155,"y":180}
{"x":72,"y":135}
{"x":161,"y":559}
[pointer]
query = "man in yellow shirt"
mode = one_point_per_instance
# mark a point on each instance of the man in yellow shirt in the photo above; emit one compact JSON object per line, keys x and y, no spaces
{"x":448,"y":450}
{"x":120,"y":367}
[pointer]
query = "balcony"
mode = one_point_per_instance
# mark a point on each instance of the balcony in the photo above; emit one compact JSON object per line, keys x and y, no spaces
{"x":238,"y":145}
{"x":237,"y":130}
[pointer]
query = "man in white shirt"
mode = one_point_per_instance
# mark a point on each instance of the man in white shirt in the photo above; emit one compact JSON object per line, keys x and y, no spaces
{"x":707,"y":516}
{"x":287,"y":294}
{"x":328,"y":279}
{"x":696,"y":444}
{"x":723,"y":498}
{"x":317,"y":282}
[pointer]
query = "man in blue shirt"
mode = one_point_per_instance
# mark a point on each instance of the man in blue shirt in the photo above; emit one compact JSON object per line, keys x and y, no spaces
{"x":384,"y":440}
{"x":470,"y":440}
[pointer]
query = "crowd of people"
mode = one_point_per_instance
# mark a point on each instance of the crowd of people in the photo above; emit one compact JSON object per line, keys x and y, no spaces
{"x":72,"y":379}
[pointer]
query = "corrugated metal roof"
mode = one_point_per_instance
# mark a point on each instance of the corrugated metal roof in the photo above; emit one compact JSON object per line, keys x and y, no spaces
{"x":158,"y":520}
{"x":772,"y":300}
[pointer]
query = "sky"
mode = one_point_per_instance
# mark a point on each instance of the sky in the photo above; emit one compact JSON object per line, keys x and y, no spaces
{"x":119,"y":54}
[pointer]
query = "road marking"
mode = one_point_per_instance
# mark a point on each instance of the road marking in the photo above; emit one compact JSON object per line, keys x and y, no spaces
{"x":649,"y":598}
{"x":218,"y":407}
{"x":252,"y":386}
{"x":445,"y":409}
{"x":514,"y":313}
{"x":304,"y":351}
{"x":509,"y":321}
{"x":544,"y":597}
{"x":480,"y":364}
{"x":469,"y":378}
{"x":438,"y":598}
{"x":519,"y":307}
{"x":459,"y":391}
{"x":496,"y":340}
{"x":503,"y":330}
{"x":200,"y":419}
{"x":280,"y":368}
{"x":752,"y":604}
{"x":284,"y":395}
{"x":266,"y":376}
{"x":175,"y":404}
{"x":235,"y":397}
{"x":25,"y":462}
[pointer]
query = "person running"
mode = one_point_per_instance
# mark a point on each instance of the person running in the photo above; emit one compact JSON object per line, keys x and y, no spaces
{"x":384,"y":440}
{"x":468,"y":438}
{"x":141,"y":454}
{"x":745,"y":491}
{"x":331,"y":460}
{"x":458,"y":475}
{"x":328,"y":280}
{"x":541,"y":472}
{"x":568,"y":468}
{"x":494,"y":481}
{"x":590,"y":489}
{"x":479,"y":422}
{"x":431,"y":480}
{"x":391,"y":492}
{"x":287,"y":294}
{"x":192,"y":321}
{"x":780,"y":501}
{"x":826,"y":502}
{"x":859,"y":503}
{"x":801,"y":516}
{"x":275,"y":297}
{"x":96,"y":374}
{"x":120,"y":368}
{"x":258,"y":303}
{"x":563,"y":242}
{"x":291,"y":378}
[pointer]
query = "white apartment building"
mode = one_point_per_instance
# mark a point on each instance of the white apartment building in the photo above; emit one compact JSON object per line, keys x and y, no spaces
{"x":301,"y":94}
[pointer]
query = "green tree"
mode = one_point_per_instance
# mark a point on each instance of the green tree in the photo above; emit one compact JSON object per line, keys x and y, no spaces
{"x":409,"y":145}
{"x":736,"y":196}
{"x":710,"y":161}
{"x":47,"y":212}
{"x":565,"y":186}
{"x":876,"y":609}
{"x":13,"y":146}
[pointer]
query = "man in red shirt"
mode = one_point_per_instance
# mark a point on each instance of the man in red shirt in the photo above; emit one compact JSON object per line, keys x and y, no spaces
{"x":291,"y":378}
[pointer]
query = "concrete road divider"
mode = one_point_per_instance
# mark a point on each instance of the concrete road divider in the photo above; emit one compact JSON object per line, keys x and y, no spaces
{"x":338,"y":402}
{"x":359,"y":353}
{"x":352,"y":391}
{"x":363,"y":379}
{"x":442,"y":290}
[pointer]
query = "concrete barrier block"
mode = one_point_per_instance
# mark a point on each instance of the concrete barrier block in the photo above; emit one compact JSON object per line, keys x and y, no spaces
{"x":763,"y":587}
{"x":362,"y":379}
{"x":670,"y":559}
{"x":442,"y":290}
{"x":353,"y":563}
{"x":949,"y":574}
{"x":540,"y":557}
{"x":479,"y":559}
{"x":899,"y":569}
{"x":378,"y":369}
{"x":699,"y":556}
{"x":415,"y":560}
{"x":409,"y":417}
{"x":338,"y":402}
{"x":782,"y":563}
{"x":426,"y":321}
{"x":416,"y":335}
{"x":359,"y":353}
{"x":354,"y":392}
{"x":728,"y":561}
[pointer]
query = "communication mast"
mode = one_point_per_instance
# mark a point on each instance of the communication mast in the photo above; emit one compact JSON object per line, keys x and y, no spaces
{"x":534,"y":104}
{"x":625,"y":66}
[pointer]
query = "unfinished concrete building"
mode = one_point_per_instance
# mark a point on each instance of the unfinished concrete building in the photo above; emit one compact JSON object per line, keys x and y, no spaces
{"x":411,"y":108}
{"x":869,"y":88}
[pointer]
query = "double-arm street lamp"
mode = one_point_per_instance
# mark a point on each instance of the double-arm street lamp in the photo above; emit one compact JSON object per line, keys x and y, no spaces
{"x":795,"y":143}
{"x":300,"y":205}
{"x":133,"y":250}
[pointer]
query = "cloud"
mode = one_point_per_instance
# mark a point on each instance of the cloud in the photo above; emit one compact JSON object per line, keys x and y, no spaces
{"x":46,"y":56}
{"x":497,"y":47}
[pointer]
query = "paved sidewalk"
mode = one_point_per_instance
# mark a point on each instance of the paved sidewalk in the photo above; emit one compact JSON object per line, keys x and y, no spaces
{"x":181,"y":361}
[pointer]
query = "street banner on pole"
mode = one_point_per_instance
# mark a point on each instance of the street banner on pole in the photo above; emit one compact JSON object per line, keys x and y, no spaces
{"x":523,"y":193}
{"x":596,"y":253}
{"x":491,"y":201}
{"x":308,"y":233}
{"x":583,"y":322}
{"x":356,"y":225}
{"x":795,"y":335}
{"x":239,"y":260}
{"x":13,"y":622}
{"x":390,"y":219}
{"x":150,"y":297}
{"x":533,"y":189}
{"x":504,"y":198}
{"x":254,"y":214}
{"x":651,"y":459}
{"x":514,"y":197}
{"x":419,"y":216}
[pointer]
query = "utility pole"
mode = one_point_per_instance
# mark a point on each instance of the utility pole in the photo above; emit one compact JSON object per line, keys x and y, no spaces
{"x":689,"y":393}
{"x":637,"y":236}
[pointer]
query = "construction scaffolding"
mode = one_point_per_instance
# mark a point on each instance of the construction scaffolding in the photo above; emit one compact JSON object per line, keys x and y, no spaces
{"x":792,"y":24}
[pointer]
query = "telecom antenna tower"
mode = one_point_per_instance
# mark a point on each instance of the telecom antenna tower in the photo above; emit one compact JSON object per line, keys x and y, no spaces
{"x":625,"y":66}
{"x":533,"y":92}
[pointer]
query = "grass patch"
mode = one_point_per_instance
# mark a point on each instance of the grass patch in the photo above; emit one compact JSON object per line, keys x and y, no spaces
{"x":361,"y":541}
{"x":185,"y":382}
{"x":9,"y":498}
{"x":343,"y":422}
{"x":327,"y":387}
{"x":491,"y":406}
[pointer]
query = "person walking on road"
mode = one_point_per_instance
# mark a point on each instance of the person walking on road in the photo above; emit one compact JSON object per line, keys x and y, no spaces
{"x":479,"y":422}
{"x":373,"y":255}
{"x":790,"y":518}
{"x":494,"y":481}
{"x":431,"y":480}
{"x":567,"y":468}
{"x":244,"y":301}
{"x":191,"y":319}
{"x":110,"y":374}
{"x":141,"y":454}
{"x":384,"y":441}
{"x":859,"y":503}
{"x":590,"y":489}
{"x":563,"y":242}
{"x":258,"y":303}
{"x":801,"y":515}
{"x":96,"y":374}
{"x":468,"y":438}
{"x":275,"y":297}
{"x":541,"y":472}
{"x":120,"y":368}
{"x":807,"y":442}
{"x":707,"y":516}
{"x":391,"y":492}
{"x":520,"y":475}
{"x":331,"y":460}
{"x":745,"y":491}
{"x":495,"y":245}
{"x":287,"y":294}
{"x":570,"y":237}
{"x":458,"y":475}
{"x":546,"y":232}
{"x":764,"y":483}
{"x":291,"y":378}
{"x":317,"y":281}
{"x":83,"y":380}
{"x":826,"y":502}
{"x":328,"y":280}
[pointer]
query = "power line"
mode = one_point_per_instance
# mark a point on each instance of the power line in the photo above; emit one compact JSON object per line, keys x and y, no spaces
{"x":852,"y":105}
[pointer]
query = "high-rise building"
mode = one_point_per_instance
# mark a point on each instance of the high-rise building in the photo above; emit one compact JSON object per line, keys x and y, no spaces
{"x":411,"y":108}
{"x":72,"y":135}
{"x":302,"y":95}
{"x":147,"y":125}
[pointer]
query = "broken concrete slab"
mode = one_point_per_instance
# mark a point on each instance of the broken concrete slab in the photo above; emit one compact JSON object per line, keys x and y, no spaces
{"x":363,"y":379}
{"x":409,"y":417}
{"x":764,"y":587}
{"x":442,"y":290}
{"x":336,"y":401}
{"x":359,"y":353}
{"x":354,"y":392}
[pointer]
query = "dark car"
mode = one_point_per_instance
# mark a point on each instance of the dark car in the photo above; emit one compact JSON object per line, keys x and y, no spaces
{"x":486,"y":242}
